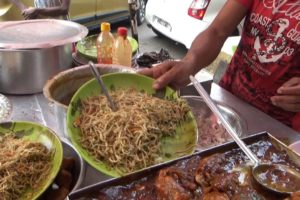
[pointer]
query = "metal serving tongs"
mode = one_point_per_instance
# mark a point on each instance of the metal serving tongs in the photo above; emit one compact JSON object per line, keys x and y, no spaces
{"x":259,"y":169}
{"x":99,"y":79}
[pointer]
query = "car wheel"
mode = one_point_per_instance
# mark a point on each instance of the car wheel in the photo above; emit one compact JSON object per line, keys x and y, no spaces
{"x":159,"y":34}
{"x":141,"y":12}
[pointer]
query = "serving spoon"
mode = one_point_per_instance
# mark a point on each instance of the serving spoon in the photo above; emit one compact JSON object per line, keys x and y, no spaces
{"x":100,"y":81}
{"x":260,"y":171}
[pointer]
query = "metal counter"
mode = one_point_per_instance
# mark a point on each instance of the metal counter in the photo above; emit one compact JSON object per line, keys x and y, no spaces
{"x":37,"y":108}
{"x":256,"y":120}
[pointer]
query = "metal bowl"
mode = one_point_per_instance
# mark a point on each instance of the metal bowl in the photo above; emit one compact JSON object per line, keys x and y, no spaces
{"x":26,"y":71}
{"x":79,"y":172}
{"x":62,"y":186}
{"x":210,"y":130}
{"x":29,"y":56}
{"x":60,"y":89}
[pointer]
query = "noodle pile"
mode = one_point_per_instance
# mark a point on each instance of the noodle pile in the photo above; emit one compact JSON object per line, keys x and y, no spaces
{"x":128,"y":139}
{"x":23,"y":164}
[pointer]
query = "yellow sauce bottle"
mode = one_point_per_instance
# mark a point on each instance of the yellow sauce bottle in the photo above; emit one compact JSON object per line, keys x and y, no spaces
{"x":105,"y":44}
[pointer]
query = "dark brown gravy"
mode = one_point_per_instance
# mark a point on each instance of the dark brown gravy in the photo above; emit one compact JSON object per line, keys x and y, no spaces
{"x":226,"y":173}
{"x":279,"y":179}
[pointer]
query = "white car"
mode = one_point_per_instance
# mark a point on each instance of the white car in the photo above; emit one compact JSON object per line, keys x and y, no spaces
{"x":181,"y":20}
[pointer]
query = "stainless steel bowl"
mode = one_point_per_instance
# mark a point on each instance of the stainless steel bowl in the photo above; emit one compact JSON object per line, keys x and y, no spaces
{"x":61,"y":188}
{"x":211,"y":131}
{"x":31,"y":51}
{"x":79,"y":172}
{"x":26,"y":71}
{"x":60,"y":89}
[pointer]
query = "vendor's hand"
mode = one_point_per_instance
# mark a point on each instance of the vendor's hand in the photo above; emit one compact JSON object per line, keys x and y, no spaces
{"x":288,"y":97}
{"x":172,"y":73}
{"x":30,"y":13}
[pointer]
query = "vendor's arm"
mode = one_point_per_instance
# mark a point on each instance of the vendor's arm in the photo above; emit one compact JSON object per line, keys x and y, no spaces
{"x":32,"y":13}
{"x":205,"y":48}
{"x":288,"y":97}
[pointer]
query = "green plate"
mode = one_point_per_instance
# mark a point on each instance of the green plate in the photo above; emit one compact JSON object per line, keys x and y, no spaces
{"x":184,"y":141}
{"x":38,"y":133}
{"x":87,"y":47}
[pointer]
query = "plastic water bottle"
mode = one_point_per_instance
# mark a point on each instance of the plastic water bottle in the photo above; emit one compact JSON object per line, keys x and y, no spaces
{"x":122,"y":48}
{"x":105,"y":44}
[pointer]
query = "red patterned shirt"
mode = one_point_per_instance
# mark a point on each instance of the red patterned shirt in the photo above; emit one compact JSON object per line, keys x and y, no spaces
{"x":267,"y":55}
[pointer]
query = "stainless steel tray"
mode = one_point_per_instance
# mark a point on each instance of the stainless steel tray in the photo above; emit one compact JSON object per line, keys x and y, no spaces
{"x":294,"y":157}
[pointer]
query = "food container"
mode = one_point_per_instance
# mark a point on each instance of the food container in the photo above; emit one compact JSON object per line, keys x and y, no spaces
{"x":60,"y":88}
{"x":210,"y":130}
{"x":26,"y":71}
{"x":31,"y":51}
{"x":77,"y":171}
{"x":142,"y":185}
{"x":21,"y":143}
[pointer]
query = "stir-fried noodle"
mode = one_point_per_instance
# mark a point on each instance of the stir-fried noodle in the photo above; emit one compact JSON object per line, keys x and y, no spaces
{"x":128,"y":139}
{"x":23,"y":164}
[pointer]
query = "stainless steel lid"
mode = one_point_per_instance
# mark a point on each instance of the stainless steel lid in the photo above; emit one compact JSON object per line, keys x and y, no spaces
{"x":5,"y":108}
{"x":40,"y":33}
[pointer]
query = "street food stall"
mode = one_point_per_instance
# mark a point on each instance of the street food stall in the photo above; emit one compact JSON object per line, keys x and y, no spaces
{"x":263,"y":134}
{"x":38,"y":109}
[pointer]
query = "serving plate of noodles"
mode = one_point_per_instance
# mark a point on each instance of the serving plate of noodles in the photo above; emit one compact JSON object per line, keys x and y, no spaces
{"x":30,"y":158}
{"x":149,"y":127}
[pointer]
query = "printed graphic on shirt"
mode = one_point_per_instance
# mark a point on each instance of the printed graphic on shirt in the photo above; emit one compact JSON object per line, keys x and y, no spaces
{"x":267,"y":55}
{"x":277,"y":32}
{"x":271,"y":49}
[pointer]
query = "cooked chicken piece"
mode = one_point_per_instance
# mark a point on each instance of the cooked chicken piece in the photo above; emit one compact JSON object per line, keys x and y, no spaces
{"x":103,"y":196}
{"x":215,"y":196}
{"x":208,"y":168}
{"x":59,"y":194}
{"x":68,"y":164}
{"x":294,"y":196}
{"x":226,"y":182}
{"x":169,"y":185}
{"x":64,"y":179}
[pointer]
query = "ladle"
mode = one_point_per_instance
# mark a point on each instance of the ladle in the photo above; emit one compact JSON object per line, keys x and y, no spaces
{"x":99,"y":79}
{"x":259,"y":170}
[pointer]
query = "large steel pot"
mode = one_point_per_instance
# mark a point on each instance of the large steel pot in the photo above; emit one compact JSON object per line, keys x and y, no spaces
{"x":31,"y":51}
{"x":26,"y":71}
{"x":60,"y":88}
